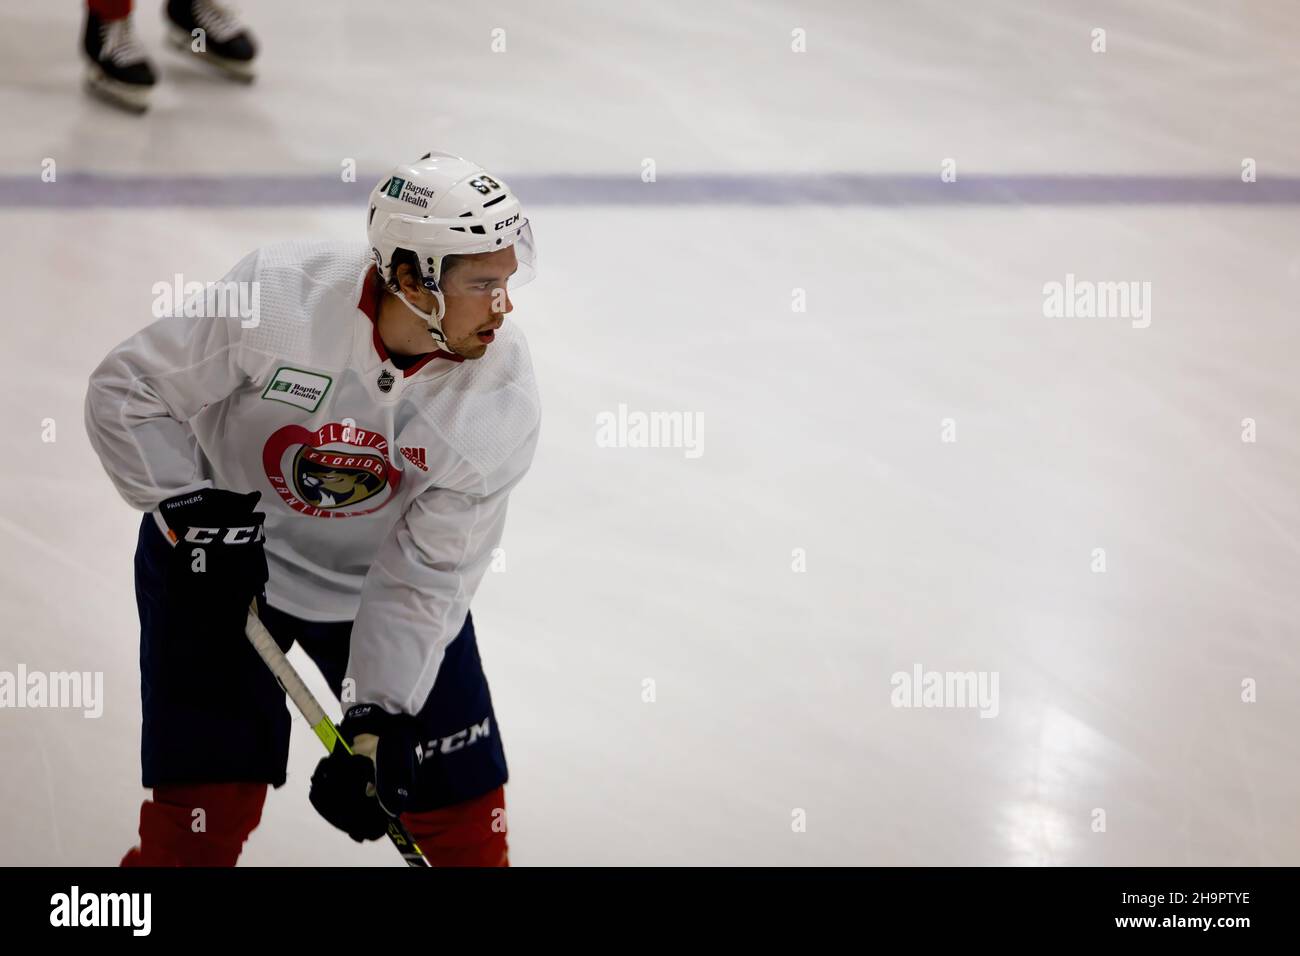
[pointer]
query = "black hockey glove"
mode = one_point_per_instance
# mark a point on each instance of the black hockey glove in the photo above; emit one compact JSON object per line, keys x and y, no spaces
{"x":359,"y":792}
{"x":218,"y":564}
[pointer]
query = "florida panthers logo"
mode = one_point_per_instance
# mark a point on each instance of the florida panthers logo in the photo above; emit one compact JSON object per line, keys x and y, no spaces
{"x":337,"y":471}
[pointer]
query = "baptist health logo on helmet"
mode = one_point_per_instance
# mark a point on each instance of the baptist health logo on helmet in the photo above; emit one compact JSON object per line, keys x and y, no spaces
{"x":399,"y":188}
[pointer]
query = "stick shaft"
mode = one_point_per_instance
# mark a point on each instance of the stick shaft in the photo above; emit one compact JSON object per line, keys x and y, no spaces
{"x":311,"y":709}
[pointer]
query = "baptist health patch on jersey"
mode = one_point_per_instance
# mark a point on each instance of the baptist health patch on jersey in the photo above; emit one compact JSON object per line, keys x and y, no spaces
{"x":293,"y":386}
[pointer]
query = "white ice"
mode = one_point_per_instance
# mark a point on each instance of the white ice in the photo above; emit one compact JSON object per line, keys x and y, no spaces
{"x":1120,"y":691}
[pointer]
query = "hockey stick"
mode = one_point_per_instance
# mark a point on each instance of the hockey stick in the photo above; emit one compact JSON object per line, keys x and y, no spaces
{"x":320,"y":722}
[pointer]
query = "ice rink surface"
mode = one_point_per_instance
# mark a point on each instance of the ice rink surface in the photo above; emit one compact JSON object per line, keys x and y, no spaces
{"x":823,"y":443}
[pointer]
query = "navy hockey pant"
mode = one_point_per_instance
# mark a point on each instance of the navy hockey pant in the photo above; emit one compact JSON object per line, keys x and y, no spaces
{"x":214,"y":714}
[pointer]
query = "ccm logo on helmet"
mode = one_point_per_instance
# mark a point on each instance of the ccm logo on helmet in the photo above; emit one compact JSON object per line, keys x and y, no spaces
{"x":506,"y":222}
{"x":225,"y":535}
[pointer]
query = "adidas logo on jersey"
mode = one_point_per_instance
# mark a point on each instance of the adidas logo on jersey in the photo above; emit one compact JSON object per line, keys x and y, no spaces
{"x":416,"y":457}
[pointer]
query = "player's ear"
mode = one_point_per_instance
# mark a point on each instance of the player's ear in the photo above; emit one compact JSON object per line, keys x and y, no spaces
{"x":407,"y":281}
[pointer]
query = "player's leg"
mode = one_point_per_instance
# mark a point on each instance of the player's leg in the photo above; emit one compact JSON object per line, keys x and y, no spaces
{"x":201,"y":824}
{"x":117,"y":69}
{"x":212,"y":33}
{"x":215,"y":726}
{"x":109,"y":9}
{"x":469,"y":833}
{"x":326,"y":643}
{"x":457,"y":813}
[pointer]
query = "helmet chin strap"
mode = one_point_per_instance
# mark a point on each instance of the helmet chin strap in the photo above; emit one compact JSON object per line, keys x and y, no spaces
{"x":433,"y":320}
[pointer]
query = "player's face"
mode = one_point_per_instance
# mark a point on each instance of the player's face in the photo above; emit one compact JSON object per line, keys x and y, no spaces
{"x":477,"y":300}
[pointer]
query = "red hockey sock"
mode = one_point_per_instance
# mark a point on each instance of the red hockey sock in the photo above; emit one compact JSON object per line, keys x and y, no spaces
{"x":173,"y":834}
{"x":109,"y":9}
{"x":472,"y":833}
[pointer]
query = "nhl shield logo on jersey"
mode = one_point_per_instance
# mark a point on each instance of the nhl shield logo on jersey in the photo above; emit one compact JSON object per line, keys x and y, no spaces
{"x":337,"y":471}
{"x":385,"y":381}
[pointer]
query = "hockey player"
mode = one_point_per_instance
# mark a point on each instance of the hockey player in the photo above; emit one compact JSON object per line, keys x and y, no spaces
{"x":118,"y":69}
{"x":378,"y":410}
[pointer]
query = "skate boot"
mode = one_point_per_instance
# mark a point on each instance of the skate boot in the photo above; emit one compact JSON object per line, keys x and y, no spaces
{"x":214,"y":34}
{"x":118,"y":70}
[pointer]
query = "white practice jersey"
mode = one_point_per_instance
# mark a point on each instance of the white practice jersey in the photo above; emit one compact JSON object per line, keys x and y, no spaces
{"x":384,"y":490}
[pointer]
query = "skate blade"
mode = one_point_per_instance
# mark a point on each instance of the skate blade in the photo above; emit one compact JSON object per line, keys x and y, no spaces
{"x":181,"y":42}
{"x":123,"y":95}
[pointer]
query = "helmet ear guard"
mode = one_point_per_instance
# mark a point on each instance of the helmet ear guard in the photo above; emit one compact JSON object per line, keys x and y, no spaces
{"x":432,"y":321}
{"x":430,"y":279}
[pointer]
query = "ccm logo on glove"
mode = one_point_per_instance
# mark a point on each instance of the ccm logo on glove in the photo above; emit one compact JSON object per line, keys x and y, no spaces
{"x":248,"y":535}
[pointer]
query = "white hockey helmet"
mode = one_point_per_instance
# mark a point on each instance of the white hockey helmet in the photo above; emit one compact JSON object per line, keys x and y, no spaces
{"x":443,"y":205}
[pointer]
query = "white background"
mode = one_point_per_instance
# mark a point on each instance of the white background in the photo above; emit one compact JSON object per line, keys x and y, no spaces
{"x":1119,"y":691}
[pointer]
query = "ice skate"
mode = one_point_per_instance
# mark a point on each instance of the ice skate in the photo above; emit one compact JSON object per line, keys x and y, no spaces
{"x":118,"y":70}
{"x":214,"y":34}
